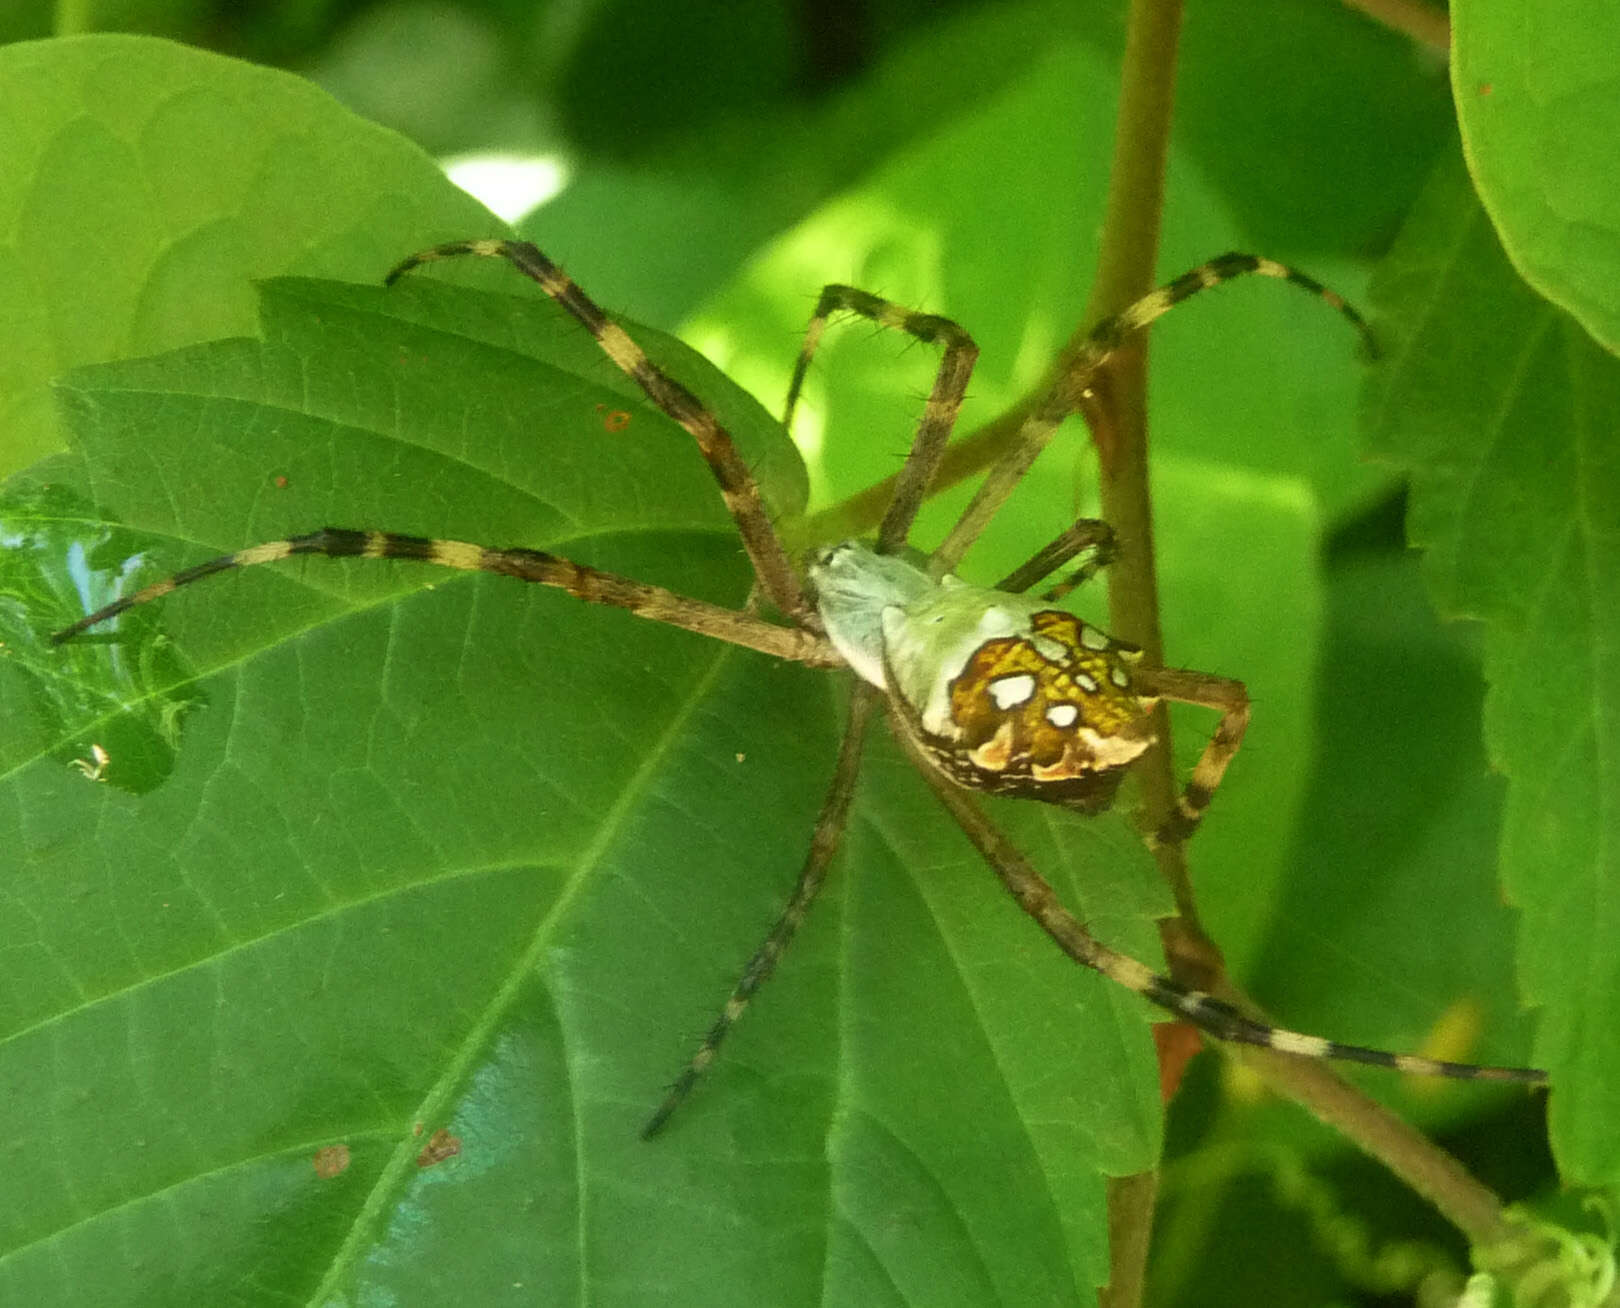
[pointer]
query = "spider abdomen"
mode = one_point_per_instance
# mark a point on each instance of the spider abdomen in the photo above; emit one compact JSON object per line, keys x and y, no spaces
{"x":1004,"y":692}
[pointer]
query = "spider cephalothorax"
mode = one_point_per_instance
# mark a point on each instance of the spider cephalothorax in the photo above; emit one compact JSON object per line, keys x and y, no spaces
{"x":992,"y":689}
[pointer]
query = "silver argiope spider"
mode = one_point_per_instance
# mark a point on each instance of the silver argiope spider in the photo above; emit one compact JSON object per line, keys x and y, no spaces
{"x":987,"y":688}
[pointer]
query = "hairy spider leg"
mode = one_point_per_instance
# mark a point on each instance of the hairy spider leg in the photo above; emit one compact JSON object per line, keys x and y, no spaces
{"x":1085,"y":534}
{"x":915,"y":478}
{"x":1215,"y":1017}
{"x":737,"y":486}
{"x":795,"y":644}
{"x":825,"y":839}
{"x":1227,"y":696}
{"x":1077,"y":369}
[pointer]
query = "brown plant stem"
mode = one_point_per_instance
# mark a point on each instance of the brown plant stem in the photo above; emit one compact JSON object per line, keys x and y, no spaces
{"x":1473,"y":1208}
{"x":1126,"y":262}
{"x":1131,"y":1201}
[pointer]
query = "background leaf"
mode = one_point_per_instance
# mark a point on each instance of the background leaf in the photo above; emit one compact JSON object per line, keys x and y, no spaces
{"x":1536,"y":98}
{"x":144,"y":184}
{"x":1504,"y":412}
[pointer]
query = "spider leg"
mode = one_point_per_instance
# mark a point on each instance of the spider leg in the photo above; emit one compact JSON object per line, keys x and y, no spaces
{"x":1215,"y":1017}
{"x":1079,"y":365}
{"x":1005,"y":474}
{"x":1113,"y":331}
{"x":590,"y":584}
{"x":824,"y":842}
{"x":916,"y":476}
{"x":1086,"y":533}
{"x":1225,"y":694}
{"x":737,"y":485}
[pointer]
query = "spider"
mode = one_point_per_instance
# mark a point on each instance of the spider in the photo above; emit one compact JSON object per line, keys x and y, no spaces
{"x":987,"y":688}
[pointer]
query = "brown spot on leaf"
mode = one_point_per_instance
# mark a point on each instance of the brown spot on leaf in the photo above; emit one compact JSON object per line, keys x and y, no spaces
{"x":441,"y":1145}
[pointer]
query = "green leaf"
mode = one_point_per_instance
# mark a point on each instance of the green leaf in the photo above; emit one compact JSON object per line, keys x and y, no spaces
{"x":1503,"y":411}
{"x":144,"y":182}
{"x":1538,"y":98}
{"x":451,"y":852}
